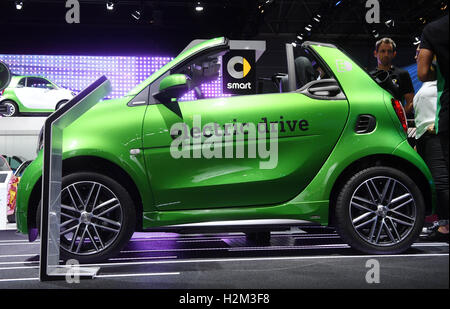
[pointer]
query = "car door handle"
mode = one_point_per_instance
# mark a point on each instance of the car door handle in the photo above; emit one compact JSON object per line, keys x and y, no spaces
{"x":328,"y":91}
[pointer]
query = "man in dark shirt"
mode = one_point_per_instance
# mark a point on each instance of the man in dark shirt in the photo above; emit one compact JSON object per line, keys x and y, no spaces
{"x":435,"y":42}
{"x":385,"y":52}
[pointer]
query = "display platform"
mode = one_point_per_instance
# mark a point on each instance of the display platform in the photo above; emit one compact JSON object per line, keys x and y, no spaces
{"x":309,"y":258}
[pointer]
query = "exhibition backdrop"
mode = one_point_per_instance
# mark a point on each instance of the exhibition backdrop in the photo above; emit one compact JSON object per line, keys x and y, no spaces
{"x":77,"y":72}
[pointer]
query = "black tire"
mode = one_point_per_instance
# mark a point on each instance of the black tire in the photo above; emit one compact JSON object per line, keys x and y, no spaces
{"x":58,"y":106}
{"x":12,"y":218}
{"x":11,"y":105}
{"x":260,"y":237}
{"x":127,"y":217}
{"x":382,"y":232}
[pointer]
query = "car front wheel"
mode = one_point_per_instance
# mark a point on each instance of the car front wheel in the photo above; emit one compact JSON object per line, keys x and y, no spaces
{"x":380,"y":210}
{"x":97,"y":217}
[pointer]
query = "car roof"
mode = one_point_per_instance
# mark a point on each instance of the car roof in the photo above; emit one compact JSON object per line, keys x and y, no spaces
{"x":23,"y":76}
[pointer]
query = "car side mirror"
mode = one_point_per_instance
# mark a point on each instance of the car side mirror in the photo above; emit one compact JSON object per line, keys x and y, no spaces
{"x":172,"y":88}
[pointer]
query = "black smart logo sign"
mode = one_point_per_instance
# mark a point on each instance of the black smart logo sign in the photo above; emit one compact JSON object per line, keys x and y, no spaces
{"x":239,"y":72}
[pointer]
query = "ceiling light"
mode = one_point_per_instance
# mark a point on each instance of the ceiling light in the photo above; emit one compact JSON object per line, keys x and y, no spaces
{"x":199,"y":7}
{"x":19,"y":5}
{"x":375,"y":34}
{"x":110,"y":5}
{"x":390,"y":23}
{"x":136,"y":14}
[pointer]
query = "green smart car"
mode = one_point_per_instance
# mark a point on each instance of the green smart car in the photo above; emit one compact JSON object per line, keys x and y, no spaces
{"x":332,"y":151}
{"x":32,"y":95}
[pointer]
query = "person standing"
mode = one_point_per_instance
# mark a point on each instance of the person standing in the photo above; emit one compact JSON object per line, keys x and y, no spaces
{"x":429,"y":147}
{"x":385,"y":52}
{"x":434,"y":42}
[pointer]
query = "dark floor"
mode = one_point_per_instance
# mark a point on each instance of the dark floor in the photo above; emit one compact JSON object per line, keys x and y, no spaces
{"x":307,"y":258}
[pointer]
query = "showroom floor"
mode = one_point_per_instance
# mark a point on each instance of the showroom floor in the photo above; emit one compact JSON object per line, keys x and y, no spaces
{"x":307,"y":258}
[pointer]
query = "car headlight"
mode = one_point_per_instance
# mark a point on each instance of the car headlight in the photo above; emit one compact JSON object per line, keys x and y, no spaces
{"x":40,"y":144}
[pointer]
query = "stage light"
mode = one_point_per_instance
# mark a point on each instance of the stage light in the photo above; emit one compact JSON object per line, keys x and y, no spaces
{"x":19,"y":5}
{"x":337,"y":3}
{"x":110,"y":5}
{"x":300,"y":36}
{"x":375,"y":34}
{"x":390,"y":23}
{"x":308,"y":28}
{"x":136,"y":14}
{"x":317,"y":18}
{"x":416,"y":41}
{"x":443,"y":6}
{"x":199,"y":7}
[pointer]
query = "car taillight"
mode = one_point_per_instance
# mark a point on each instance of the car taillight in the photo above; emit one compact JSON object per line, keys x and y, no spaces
{"x":400,"y":111}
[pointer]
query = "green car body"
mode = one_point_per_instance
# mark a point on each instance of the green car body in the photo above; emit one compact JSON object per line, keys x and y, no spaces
{"x":314,"y":161}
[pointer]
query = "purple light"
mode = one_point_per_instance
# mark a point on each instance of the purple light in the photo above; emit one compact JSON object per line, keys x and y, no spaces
{"x":77,"y":72}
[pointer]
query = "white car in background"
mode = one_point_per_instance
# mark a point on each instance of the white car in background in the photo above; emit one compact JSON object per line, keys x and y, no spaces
{"x":33,"y":95}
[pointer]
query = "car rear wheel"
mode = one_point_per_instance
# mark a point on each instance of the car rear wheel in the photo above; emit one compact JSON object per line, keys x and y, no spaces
{"x":61,"y":104}
{"x":97,"y":217}
{"x":380,"y":210}
{"x":12,"y":110}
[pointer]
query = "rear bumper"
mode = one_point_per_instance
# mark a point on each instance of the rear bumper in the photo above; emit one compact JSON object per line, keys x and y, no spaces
{"x":27,"y":183}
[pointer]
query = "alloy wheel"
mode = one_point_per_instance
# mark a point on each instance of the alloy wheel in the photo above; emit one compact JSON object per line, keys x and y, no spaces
{"x":382,"y":211}
{"x":91,"y":218}
{"x":10,"y":109}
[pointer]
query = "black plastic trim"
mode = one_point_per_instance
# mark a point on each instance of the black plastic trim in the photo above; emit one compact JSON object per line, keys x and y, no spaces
{"x":369,"y":123}
{"x":324,"y":84}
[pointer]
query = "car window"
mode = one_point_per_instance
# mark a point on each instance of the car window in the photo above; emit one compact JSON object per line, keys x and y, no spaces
{"x":308,"y":68}
{"x":205,"y":73}
{"x":14,"y":164}
{"x":228,"y":73}
{"x":35,"y":82}
{"x":22,"y":168}
{"x":22,"y":83}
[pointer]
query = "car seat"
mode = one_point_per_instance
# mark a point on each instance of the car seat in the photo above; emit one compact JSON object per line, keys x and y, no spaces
{"x":304,"y":71}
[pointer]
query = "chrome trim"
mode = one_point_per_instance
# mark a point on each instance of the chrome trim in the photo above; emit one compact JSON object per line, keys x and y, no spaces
{"x":246,"y":222}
